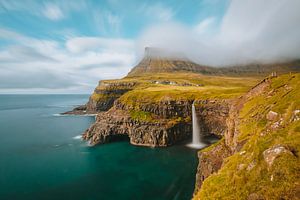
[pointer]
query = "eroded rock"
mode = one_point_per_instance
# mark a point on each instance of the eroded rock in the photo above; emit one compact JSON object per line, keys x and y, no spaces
{"x":272,"y":116}
{"x":114,"y":123}
{"x":274,"y":152}
{"x":210,"y":162}
{"x":295,"y":116}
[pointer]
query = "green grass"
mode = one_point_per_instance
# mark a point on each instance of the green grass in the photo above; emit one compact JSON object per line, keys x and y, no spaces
{"x":210,"y":87}
{"x":189,"y":86}
{"x":103,"y":97}
{"x":142,"y":116}
{"x":234,"y":180}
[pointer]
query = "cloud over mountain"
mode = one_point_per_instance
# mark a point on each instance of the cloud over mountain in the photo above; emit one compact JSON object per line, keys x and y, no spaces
{"x":250,"y":31}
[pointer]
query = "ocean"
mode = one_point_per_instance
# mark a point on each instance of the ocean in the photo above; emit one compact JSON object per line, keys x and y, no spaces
{"x":43,"y":157}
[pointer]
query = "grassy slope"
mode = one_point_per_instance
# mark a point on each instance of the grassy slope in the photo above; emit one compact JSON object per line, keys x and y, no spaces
{"x":147,"y":92}
{"x":234,"y":180}
{"x":211,"y":87}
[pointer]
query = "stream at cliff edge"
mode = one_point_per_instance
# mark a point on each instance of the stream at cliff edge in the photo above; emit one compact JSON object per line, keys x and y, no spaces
{"x":42,"y":157}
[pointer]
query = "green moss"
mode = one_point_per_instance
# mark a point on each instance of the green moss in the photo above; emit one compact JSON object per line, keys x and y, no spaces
{"x":219,"y":142}
{"x":297,"y":129}
{"x":103,"y":97}
{"x":141,"y":116}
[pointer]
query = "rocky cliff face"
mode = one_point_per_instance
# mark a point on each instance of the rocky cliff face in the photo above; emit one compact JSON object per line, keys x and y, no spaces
{"x":106,"y":93}
{"x":109,"y":126}
{"x":169,"y":122}
{"x":212,"y":116}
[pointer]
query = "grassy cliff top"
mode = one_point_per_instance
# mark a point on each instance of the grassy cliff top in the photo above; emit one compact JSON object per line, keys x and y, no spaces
{"x":269,"y":137}
{"x":153,"y":88}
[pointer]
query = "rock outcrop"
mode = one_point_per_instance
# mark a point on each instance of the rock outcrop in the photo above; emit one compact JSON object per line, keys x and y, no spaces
{"x":106,"y":93}
{"x":210,"y":161}
{"x":109,"y":126}
{"x":212,"y":116}
{"x":274,"y":152}
{"x":169,"y":122}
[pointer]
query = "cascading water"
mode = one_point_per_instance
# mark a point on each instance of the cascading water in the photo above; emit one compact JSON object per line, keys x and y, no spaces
{"x":197,"y":143}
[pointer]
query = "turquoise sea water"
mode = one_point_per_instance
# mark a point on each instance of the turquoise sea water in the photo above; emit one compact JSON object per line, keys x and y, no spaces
{"x":40,"y":157}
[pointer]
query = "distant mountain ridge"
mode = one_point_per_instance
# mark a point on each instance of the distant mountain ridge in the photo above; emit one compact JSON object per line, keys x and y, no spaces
{"x":160,"y":61}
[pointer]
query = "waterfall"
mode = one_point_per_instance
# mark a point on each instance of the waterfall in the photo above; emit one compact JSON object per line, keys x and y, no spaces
{"x":197,"y":143}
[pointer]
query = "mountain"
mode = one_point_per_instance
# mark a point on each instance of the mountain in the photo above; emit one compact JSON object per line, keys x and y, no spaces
{"x":160,"y":61}
{"x":157,"y":60}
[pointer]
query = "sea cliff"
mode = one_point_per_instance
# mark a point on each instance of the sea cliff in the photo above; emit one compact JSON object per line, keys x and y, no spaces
{"x":257,"y":120}
{"x":156,"y":110}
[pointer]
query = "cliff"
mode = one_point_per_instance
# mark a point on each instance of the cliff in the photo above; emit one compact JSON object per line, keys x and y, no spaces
{"x":156,"y":110}
{"x":258,"y":121}
{"x":258,"y":157}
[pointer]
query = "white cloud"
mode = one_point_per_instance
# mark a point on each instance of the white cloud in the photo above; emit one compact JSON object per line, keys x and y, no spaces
{"x":251,"y":31}
{"x":53,"y":12}
{"x":82,"y":44}
{"x":114,"y":22}
{"x":107,"y":22}
{"x":76,"y":67}
{"x":158,"y":11}
{"x":204,"y":25}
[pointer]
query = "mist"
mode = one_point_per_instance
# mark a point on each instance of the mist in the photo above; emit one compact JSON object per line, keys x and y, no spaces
{"x":251,"y":31}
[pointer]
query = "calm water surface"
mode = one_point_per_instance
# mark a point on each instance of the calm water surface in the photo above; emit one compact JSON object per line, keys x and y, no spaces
{"x":41,"y":158}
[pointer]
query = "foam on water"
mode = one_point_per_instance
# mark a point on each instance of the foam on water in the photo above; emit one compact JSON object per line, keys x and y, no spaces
{"x":77,"y":137}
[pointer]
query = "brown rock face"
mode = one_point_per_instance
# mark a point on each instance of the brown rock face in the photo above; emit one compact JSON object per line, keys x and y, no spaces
{"x":210,"y":162}
{"x":109,"y":126}
{"x":272,"y":153}
{"x":232,"y":122}
{"x":163,"y":109}
{"x":272,"y":116}
{"x":105,"y":95}
{"x":161,"y":61}
{"x":212,"y":115}
{"x":164,"y":130}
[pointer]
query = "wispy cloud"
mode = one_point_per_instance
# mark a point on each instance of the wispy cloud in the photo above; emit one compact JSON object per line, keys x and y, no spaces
{"x":157,"y":11}
{"x":53,"y":12}
{"x":204,"y":25}
{"x":83,"y":44}
{"x":106,"y":22}
{"x":52,"y":66}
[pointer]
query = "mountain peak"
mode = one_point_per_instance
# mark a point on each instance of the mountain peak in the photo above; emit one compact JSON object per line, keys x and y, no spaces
{"x":159,"y":60}
{"x":162,"y":53}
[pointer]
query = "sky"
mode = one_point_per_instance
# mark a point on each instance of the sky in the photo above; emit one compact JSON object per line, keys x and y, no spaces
{"x":68,"y":46}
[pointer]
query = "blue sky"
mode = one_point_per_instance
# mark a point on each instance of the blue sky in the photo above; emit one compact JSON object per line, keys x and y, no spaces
{"x":104,"y":18}
{"x":68,"y":46}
